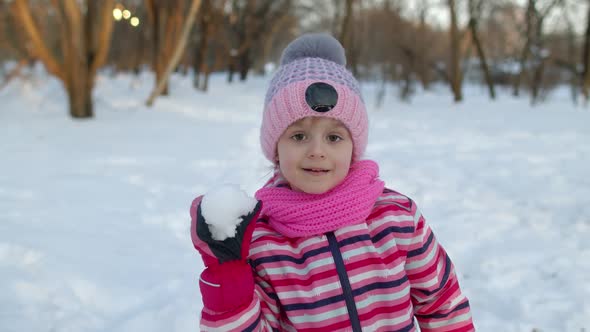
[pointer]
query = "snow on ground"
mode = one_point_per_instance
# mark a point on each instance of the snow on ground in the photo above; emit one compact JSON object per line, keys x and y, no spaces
{"x":94,"y":224}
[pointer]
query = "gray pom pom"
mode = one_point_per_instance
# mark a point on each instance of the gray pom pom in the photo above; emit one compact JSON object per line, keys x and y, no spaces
{"x":314,"y":45}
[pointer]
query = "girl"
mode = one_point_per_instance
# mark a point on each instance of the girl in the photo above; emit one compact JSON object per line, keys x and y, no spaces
{"x":327,"y":247}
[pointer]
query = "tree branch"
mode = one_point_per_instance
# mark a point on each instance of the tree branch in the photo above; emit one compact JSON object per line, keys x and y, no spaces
{"x":104,"y":38}
{"x":40,"y":50}
{"x":179,"y":49}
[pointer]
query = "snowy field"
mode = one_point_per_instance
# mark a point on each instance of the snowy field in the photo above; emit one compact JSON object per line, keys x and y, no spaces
{"x":94,"y":224}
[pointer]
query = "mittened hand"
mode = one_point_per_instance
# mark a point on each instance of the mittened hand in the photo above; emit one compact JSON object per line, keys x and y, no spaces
{"x":222,"y":225}
{"x":230,"y":248}
{"x":221,"y":229}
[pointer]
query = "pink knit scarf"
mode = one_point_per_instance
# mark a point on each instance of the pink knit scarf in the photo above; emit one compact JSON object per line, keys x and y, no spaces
{"x":298,"y":214}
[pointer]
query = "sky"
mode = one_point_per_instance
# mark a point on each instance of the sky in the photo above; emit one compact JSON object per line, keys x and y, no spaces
{"x":438,"y":12}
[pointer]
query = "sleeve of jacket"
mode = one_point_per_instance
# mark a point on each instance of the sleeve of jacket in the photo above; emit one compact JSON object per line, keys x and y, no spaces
{"x":439,"y":304}
{"x":256,"y":311}
{"x":260,"y":314}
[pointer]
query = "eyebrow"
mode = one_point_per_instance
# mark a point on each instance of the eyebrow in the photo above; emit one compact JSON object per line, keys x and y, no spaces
{"x":339,"y":126}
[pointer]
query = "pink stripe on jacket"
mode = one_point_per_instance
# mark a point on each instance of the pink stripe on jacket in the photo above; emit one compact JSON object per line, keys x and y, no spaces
{"x":376,"y":276}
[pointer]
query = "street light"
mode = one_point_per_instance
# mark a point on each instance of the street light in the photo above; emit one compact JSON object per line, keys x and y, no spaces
{"x":117,"y":14}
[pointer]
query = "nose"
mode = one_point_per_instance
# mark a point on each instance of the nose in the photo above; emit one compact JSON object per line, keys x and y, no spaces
{"x":316,"y":149}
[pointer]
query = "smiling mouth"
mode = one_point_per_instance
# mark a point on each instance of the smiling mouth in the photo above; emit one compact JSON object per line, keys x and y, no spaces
{"x":316,"y":170}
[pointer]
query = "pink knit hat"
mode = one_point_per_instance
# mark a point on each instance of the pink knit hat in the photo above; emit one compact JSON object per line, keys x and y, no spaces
{"x":312,"y":80}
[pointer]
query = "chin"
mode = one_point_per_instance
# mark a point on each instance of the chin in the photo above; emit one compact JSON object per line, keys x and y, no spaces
{"x":316,"y":190}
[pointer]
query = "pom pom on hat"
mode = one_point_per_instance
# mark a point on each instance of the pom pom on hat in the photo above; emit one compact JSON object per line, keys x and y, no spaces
{"x":314,"y":45}
{"x":310,"y":59}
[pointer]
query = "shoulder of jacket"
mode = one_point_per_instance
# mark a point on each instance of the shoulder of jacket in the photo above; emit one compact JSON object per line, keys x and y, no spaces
{"x":393,"y":198}
{"x":262,"y":229}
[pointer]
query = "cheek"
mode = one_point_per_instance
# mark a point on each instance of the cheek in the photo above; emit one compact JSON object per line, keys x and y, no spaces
{"x":343,"y":167}
{"x":345,"y":156}
{"x":285,"y":157}
{"x":288,"y":168}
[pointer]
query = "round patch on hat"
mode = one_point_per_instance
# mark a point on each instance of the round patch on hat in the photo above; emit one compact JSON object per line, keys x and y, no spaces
{"x":321,"y":97}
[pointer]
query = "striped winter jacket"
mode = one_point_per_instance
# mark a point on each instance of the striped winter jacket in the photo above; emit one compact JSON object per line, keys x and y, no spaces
{"x":373,"y":276}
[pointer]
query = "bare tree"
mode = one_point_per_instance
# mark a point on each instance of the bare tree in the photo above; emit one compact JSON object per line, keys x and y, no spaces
{"x":178,"y":50}
{"x":166,"y":18}
{"x":475,"y":11}
{"x":205,"y":22}
{"x":336,"y":26}
{"x":455,"y":71}
{"x":541,"y":54}
{"x":346,"y":36}
{"x":345,"y":25}
{"x":11,"y":46}
{"x":10,"y":34}
{"x":285,"y":22}
{"x":85,"y":40}
{"x":586,"y":59}
{"x":403,"y":51}
{"x":569,"y":64}
{"x":250,"y":24}
{"x":528,"y":34}
{"x":424,"y":69}
{"x":242,"y":26}
{"x":213,"y":45}
{"x":534,"y":47}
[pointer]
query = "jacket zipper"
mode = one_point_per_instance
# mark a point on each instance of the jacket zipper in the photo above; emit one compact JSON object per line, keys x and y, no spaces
{"x":344,"y":282}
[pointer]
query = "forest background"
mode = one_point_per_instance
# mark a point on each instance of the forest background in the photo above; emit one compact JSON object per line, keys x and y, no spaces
{"x":526,"y":46}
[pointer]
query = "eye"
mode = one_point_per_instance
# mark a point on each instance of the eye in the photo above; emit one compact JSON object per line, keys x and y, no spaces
{"x":298,"y":137}
{"x":334,"y":138}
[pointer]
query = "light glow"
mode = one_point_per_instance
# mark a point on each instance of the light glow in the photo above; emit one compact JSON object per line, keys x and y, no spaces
{"x":134,"y":21}
{"x":126,"y":14}
{"x":117,"y":14}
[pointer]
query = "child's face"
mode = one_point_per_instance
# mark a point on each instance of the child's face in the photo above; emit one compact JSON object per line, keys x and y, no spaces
{"x":314,"y":154}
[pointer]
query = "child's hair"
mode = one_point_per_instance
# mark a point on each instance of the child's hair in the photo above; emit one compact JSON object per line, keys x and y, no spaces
{"x":312,"y":80}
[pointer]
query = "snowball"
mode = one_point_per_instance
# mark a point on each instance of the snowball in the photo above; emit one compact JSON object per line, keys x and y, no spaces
{"x":222,"y":208}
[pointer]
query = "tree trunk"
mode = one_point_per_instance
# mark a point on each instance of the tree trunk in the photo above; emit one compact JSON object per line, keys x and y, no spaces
{"x":138,"y":59}
{"x":158,"y":31}
{"x":455,"y":74}
{"x":346,"y":34}
{"x":80,"y":41}
{"x":231,"y":68}
{"x":80,"y":100}
{"x":269,"y":41}
{"x":336,"y":27}
{"x":526,"y":49}
{"x":201,"y":49}
{"x":205,"y":84}
{"x":84,"y":49}
{"x":166,"y":20}
{"x":216,"y":62}
{"x":480,"y":52}
{"x":423,"y":71}
{"x":102,"y":31}
{"x":39,"y":49}
{"x":586,"y":59}
{"x":178,"y":51}
{"x":570,"y":64}
{"x":537,"y":81}
{"x":407,"y":85}
{"x":14,"y":33}
{"x":245,"y":64}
